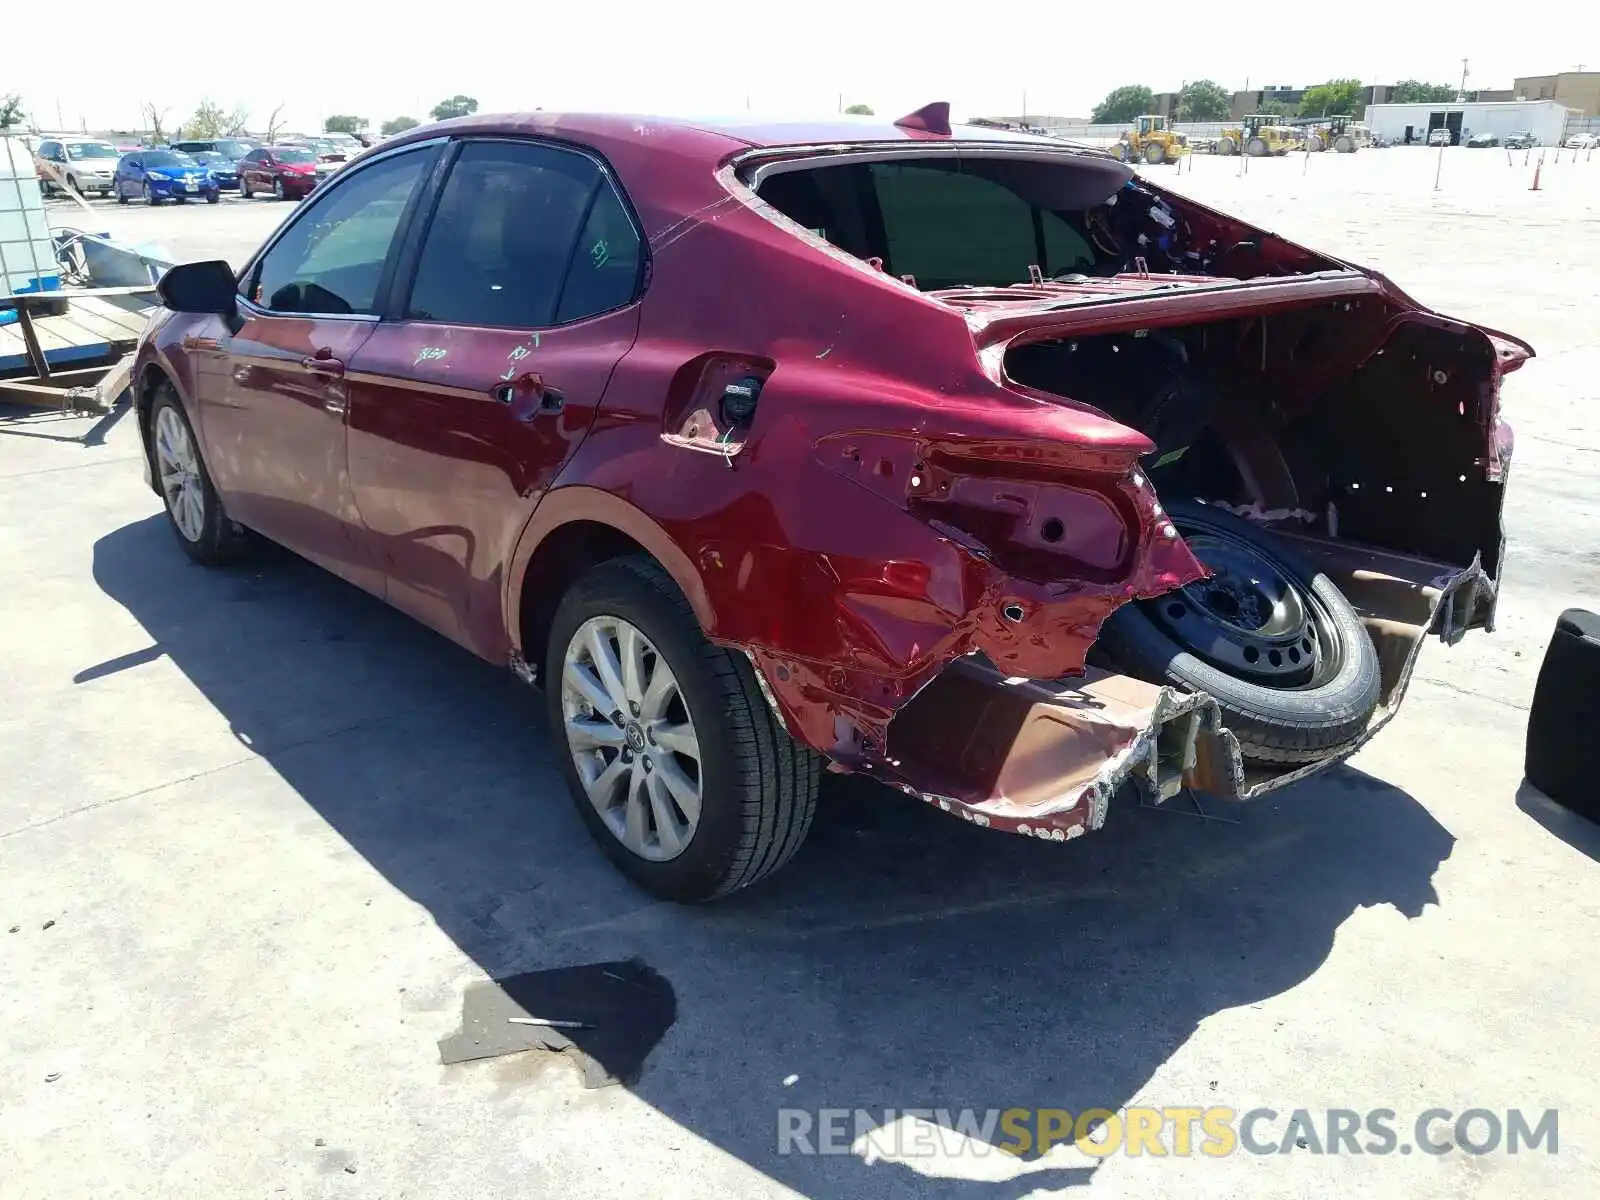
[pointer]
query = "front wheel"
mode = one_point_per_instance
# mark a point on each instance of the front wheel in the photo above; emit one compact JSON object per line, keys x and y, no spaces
{"x":1155,"y":153}
{"x":214,"y":197}
{"x":193,"y":509}
{"x":676,"y":764}
{"x":244,"y":188}
{"x":277,"y":189}
{"x":149,"y":196}
{"x":1274,"y":642}
{"x":1257,"y":148}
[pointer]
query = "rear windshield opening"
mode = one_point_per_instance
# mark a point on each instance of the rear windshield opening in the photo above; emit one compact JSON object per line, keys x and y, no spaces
{"x":957,"y":222}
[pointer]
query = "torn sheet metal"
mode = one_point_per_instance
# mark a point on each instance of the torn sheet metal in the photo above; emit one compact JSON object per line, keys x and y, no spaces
{"x":1044,"y":759}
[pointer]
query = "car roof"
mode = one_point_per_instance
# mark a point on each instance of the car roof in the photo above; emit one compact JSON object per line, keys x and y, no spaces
{"x":746,"y":131}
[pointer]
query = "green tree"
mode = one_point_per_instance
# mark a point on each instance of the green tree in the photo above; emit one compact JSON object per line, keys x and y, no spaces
{"x":1337,"y":97}
{"x":1203,"y":100}
{"x":396,"y":125}
{"x":10,"y":111}
{"x":209,"y":121}
{"x":1124,"y":104}
{"x":344,"y":124}
{"x":457,"y":106}
{"x":1414,"y":91}
{"x":238,"y":121}
{"x":859,"y":110}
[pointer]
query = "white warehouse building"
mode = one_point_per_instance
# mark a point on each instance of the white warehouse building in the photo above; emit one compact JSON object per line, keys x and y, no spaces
{"x":1545,"y":119}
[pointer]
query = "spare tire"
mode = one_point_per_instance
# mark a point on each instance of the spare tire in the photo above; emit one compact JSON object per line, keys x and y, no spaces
{"x":1273,"y":641}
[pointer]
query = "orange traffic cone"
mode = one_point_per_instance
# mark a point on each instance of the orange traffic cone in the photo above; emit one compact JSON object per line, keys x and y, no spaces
{"x":1536,"y":168}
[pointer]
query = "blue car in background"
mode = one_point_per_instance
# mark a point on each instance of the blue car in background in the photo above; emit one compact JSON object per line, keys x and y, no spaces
{"x":157,"y":175}
{"x":223,"y":169}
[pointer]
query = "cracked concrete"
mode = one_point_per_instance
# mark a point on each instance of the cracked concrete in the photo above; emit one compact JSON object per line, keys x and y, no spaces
{"x":277,"y":829}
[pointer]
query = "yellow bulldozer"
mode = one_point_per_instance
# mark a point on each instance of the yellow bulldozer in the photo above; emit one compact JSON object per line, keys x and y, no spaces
{"x":1152,"y":141}
{"x":1259,"y":135}
{"x":1343,"y":135}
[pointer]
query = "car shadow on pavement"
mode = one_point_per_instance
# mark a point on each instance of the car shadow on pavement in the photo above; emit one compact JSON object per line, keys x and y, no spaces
{"x":902,"y":960}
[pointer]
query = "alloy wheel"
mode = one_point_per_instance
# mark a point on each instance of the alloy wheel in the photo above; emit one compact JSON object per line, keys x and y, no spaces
{"x":631,"y":737}
{"x":178,"y":466}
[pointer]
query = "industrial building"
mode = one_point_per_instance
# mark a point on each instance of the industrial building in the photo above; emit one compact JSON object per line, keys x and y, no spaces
{"x":1575,"y":89}
{"x":1545,"y":119}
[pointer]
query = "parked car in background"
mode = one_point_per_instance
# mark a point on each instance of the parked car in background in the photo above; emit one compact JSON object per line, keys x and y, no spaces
{"x":85,"y":164}
{"x":346,"y":143}
{"x":287,"y":172}
{"x":330,"y":155}
{"x":1440,"y":137}
{"x":157,"y":175}
{"x":494,"y":374}
{"x":1583,"y":141}
{"x":230,"y":148}
{"x":1482,"y":140}
{"x":1521,"y":140}
{"x":223,"y":169}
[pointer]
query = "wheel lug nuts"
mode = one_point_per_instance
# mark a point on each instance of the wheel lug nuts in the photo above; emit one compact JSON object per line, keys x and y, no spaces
{"x":627,"y":756}
{"x":633,"y":707}
{"x":648,"y":765}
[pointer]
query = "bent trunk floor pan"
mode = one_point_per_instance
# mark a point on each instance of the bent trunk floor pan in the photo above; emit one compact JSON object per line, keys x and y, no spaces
{"x":1043,"y":759}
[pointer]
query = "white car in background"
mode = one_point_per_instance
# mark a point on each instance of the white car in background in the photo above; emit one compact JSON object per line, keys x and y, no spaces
{"x":79,"y":164}
{"x":1583,"y":141}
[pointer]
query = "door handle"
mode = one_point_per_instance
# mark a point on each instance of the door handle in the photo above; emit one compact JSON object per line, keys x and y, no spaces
{"x":323,"y":364}
{"x":528,"y":397}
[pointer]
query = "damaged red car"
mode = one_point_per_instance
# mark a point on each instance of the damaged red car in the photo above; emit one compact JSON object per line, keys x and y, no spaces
{"x":967,"y":460}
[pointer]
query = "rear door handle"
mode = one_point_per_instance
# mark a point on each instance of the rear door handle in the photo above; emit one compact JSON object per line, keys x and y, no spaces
{"x":323,"y":364}
{"x":528,"y":397}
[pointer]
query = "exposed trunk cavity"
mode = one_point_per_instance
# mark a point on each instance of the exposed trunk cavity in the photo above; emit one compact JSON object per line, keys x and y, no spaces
{"x":1354,"y":420}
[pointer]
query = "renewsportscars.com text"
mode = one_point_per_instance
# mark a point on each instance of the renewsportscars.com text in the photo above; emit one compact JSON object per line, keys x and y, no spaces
{"x":1178,"y":1131}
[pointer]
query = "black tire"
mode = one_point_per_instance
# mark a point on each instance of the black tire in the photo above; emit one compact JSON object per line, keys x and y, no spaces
{"x":220,"y":540}
{"x":150,"y":197}
{"x":1256,"y":148}
{"x":1344,"y":144}
{"x":758,"y":786}
{"x":214,"y":197}
{"x":244,"y":188}
{"x":1227,"y":147}
{"x":1294,"y":722}
{"x":277,"y":188}
{"x":1155,"y":153}
{"x":122,"y":196}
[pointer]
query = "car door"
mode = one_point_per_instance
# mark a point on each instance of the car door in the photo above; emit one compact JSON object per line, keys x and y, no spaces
{"x":274,"y":417}
{"x":129,"y":172}
{"x":514,"y":302}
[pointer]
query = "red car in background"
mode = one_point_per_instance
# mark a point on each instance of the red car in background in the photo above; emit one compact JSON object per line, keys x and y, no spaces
{"x":968,"y":460}
{"x":287,"y":172}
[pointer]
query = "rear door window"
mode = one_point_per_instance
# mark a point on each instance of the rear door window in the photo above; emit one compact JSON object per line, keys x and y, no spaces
{"x":524,"y":236}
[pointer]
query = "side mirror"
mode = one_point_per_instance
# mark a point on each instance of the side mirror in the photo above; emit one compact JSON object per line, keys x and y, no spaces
{"x":200,"y":287}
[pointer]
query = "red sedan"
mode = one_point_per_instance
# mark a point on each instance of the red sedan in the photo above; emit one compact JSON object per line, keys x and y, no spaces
{"x":284,"y":172}
{"x":969,"y":460}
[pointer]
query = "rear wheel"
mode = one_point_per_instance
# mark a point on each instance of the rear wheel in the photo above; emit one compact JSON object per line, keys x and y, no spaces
{"x":671,"y":754}
{"x":1154,"y":153}
{"x":1227,"y":147}
{"x":244,"y":187}
{"x":1344,"y":144}
{"x":1275,"y":643}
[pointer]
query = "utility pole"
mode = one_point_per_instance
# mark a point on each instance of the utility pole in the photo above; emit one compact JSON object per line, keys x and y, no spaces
{"x":1024,"y":108}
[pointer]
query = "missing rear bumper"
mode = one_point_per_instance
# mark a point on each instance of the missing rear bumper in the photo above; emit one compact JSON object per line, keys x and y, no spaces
{"x":1043,"y":759}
